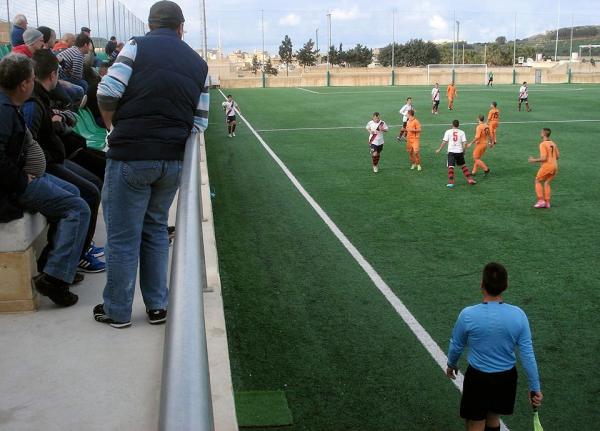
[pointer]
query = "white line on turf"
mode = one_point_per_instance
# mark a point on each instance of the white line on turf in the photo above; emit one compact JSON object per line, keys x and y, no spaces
{"x":307,"y":90}
{"x":420,"y":332}
{"x":298,"y":129}
{"x":512,"y":90}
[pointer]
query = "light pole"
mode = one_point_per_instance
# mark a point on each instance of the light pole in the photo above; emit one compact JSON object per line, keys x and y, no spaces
{"x":328,"y":39}
{"x":393,"y":38}
{"x":317,"y":38}
{"x":557,"y":27}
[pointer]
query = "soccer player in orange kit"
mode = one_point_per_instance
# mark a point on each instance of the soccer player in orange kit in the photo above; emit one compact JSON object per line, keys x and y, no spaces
{"x":451,"y":93}
{"x":481,"y":139}
{"x":493,"y":121}
{"x":549,"y":159}
{"x":413,"y":144}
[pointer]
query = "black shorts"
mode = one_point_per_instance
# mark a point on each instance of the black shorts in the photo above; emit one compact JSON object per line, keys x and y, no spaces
{"x":376,"y":148}
{"x":230,"y":118}
{"x":436,"y":103}
{"x":485,"y":393}
{"x":404,"y":124}
{"x":523,"y":99}
{"x":455,"y":159}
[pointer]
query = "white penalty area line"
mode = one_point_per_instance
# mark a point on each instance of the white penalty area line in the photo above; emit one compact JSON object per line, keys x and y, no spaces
{"x":420,"y":332}
{"x":299,"y":129}
{"x":307,"y":90}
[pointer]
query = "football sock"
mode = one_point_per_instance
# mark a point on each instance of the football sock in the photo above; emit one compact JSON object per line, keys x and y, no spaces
{"x":479,"y":162}
{"x":466,"y":172}
{"x":376,"y":160}
{"x":539,"y":191}
{"x":547,"y":192}
{"x":229,"y":130}
{"x":450,"y":174}
{"x":411,"y":157}
{"x":233,"y":126}
{"x":417,"y":158}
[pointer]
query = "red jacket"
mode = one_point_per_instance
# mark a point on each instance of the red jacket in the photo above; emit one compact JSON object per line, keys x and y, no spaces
{"x":22,"y":49}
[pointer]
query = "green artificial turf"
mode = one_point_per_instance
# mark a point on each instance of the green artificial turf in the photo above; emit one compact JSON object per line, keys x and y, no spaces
{"x":303,"y":317}
{"x":262,"y":409}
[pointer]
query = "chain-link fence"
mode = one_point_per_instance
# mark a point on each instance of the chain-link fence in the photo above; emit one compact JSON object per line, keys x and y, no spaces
{"x":105,"y":18}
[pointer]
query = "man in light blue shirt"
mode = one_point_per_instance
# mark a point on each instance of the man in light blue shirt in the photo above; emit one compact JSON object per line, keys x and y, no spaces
{"x":492,"y":330}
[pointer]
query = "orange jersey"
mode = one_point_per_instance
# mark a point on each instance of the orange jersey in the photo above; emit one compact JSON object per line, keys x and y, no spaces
{"x":549,"y":152}
{"x":451,"y":92}
{"x":413,"y":128}
{"x":482,"y":134}
{"x":494,"y":115}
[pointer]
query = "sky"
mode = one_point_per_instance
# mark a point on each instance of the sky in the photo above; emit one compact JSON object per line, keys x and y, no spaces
{"x":359,"y":21}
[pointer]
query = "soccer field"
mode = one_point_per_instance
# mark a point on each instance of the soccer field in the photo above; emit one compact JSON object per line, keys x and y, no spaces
{"x":305,"y":317}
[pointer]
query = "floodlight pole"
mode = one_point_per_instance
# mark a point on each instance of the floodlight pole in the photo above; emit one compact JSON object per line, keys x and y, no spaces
{"x":37,"y":17}
{"x":205,"y":37}
{"x":393,"y":37}
{"x":557,"y":27}
{"x":453,"y":39}
{"x":515,"y":43}
{"x":328,"y":39}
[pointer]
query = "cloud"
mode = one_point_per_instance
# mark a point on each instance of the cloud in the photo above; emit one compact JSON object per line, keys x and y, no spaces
{"x":438,"y":24}
{"x":347,"y":14}
{"x":290,"y":20}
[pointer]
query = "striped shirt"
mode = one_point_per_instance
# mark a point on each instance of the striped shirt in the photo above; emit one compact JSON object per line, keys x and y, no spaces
{"x":35,"y":160}
{"x":114,"y":83}
{"x":71,"y":62}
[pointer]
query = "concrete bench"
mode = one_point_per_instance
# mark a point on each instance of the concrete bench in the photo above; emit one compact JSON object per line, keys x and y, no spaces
{"x":18,"y":262}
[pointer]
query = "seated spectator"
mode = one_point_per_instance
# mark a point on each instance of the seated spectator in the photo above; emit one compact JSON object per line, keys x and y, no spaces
{"x":66,"y":42}
{"x":110,"y":46}
{"x":19,"y":26}
{"x":34,"y":40}
{"x":24,"y":185}
{"x":49,"y":37}
{"x":115,"y":53}
{"x":41,"y":120}
{"x":71,"y":61}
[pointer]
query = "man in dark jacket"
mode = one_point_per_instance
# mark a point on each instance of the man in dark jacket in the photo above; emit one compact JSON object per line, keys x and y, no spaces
{"x":42,"y":121}
{"x":150,"y":99}
{"x":19,"y":26}
{"x":24,"y":184}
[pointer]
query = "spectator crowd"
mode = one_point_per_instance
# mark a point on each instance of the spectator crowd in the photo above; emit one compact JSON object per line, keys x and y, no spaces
{"x":47,"y":166}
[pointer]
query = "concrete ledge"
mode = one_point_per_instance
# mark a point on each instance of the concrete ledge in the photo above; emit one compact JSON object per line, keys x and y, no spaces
{"x":216,"y":333}
{"x":18,"y":235}
{"x":16,"y":290}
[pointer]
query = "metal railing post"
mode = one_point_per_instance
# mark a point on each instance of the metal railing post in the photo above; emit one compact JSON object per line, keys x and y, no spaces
{"x":185,"y":401}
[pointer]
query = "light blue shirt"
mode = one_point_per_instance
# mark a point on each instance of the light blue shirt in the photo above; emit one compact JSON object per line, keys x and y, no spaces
{"x":492,"y":331}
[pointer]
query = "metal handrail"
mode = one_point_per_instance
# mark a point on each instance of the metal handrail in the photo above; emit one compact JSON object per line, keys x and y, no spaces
{"x":185,"y":401}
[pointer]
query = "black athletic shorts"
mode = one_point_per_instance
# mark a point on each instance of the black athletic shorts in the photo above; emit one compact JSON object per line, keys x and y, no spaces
{"x":436,"y":103}
{"x":488,"y":392}
{"x":378,"y":148}
{"x":230,"y":118}
{"x":523,"y":99}
{"x":404,"y":124}
{"x":455,"y":159}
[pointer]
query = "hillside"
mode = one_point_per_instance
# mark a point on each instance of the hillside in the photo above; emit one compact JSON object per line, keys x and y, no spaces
{"x":544,"y":43}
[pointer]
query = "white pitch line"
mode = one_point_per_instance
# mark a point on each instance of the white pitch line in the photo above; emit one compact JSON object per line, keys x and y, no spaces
{"x":420,"y":332}
{"x":310,"y":91}
{"x":400,"y":90}
{"x":298,"y":129}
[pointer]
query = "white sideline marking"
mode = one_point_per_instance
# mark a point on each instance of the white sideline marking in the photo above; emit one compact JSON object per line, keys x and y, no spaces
{"x":420,"y":332}
{"x":306,"y":89}
{"x":400,"y":90}
{"x":297,"y":129}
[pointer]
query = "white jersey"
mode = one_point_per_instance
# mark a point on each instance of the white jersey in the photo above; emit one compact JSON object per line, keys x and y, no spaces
{"x":435,"y":94}
{"x":404,"y":112}
{"x":456,"y":139}
{"x":523,"y":92}
{"x":230,"y":108}
{"x":376,"y":132}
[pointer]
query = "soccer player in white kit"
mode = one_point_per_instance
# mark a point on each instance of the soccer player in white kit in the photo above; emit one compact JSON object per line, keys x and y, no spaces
{"x":230,"y":106}
{"x":524,"y":96}
{"x":456,"y":140}
{"x":435,"y":99}
{"x":376,"y":128}
{"x":404,"y":112}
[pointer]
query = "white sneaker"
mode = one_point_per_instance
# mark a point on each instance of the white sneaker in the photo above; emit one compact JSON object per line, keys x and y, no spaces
{"x":419,"y":168}
{"x":233,"y":133}
{"x":375,"y":169}
{"x":229,"y":135}
{"x":412,"y":167}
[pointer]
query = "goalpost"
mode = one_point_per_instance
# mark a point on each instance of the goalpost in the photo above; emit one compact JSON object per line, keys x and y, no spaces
{"x":446,"y":73}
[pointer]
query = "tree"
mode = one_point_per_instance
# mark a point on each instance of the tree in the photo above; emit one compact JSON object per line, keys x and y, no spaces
{"x":255,"y":64}
{"x":269,"y":69}
{"x":359,"y":56}
{"x":415,"y":52}
{"x":501,"y":40}
{"x":307,"y":56}
{"x":385,"y":54}
{"x":285,"y":53}
{"x":499,"y":55}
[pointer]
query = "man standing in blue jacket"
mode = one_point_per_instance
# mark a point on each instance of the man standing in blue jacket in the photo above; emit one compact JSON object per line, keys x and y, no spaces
{"x":492,"y":330}
{"x":151,"y":98}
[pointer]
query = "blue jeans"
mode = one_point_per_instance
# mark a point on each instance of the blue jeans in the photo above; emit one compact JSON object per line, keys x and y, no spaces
{"x":68,"y":215}
{"x":72,"y":91}
{"x":136,"y":199}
